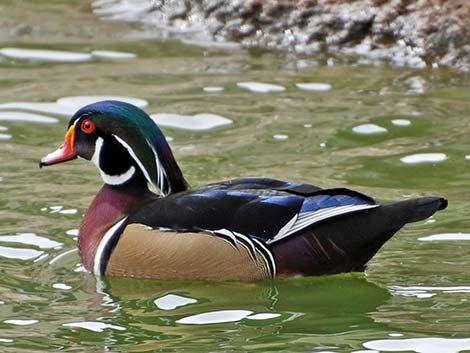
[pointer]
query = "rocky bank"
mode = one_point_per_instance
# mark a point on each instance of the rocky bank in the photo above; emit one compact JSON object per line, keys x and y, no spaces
{"x":423,"y":33}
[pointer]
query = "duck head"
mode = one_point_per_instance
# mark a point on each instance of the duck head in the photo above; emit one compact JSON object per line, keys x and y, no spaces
{"x":124,"y":143}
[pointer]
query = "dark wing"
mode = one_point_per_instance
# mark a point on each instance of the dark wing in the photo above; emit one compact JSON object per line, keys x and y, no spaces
{"x":264,"y":186}
{"x":266,"y":209}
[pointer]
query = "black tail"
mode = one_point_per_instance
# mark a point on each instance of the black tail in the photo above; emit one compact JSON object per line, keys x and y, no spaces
{"x":416,"y":209}
{"x":346,"y":243}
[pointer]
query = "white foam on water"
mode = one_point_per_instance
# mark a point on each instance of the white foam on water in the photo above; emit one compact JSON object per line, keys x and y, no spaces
{"x":401,"y":122}
{"x":80,"y":268}
{"x":54,"y":56}
{"x":369,"y":129}
{"x":446,"y":237}
{"x":420,"y":345}
{"x":6,"y":340}
{"x":260,"y":87}
{"x":5,"y":136}
{"x":280,"y":137}
{"x":307,"y":126}
{"x":94,"y":326}
{"x":424,"y":158}
{"x":213,"y":89}
{"x":65,"y":106}
{"x":198,"y":122}
{"x":61,"y":286}
{"x":50,"y":108}
{"x":21,"y":322}
{"x":69,"y":211}
{"x":215,"y":317}
{"x":467,"y":157}
{"x":78,"y":102}
{"x":421,"y":292}
{"x":30,"y":239}
{"x":313,"y":86}
{"x":113,"y":55}
{"x":3,"y":128}
{"x":72,"y":232}
{"x":173,"y":301}
{"x":19,"y":253}
{"x":27,"y":117}
{"x":55,"y":209}
{"x":263,"y":316}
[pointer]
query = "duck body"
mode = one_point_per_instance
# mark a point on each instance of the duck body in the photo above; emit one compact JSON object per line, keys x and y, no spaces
{"x":241,"y":229}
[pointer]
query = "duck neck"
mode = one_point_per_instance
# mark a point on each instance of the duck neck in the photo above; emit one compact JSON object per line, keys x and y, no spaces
{"x":111,"y":204}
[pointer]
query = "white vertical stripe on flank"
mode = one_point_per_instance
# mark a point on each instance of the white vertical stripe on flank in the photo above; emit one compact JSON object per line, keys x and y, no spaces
{"x":102,"y":245}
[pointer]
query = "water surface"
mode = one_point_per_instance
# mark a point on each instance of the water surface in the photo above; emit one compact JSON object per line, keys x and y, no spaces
{"x":415,"y":294}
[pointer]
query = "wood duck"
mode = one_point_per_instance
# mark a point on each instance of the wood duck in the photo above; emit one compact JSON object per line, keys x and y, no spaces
{"x":241,"y":229}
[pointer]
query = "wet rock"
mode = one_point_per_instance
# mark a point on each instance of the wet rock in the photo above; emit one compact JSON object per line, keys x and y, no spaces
{"x":405,"y":33}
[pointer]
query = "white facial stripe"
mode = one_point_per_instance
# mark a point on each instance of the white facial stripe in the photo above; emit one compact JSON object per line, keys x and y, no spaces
{"x":160,"y":171}
{"x":96,"y":155}
{"x":133,"y":155}
{"x":110,"y":179}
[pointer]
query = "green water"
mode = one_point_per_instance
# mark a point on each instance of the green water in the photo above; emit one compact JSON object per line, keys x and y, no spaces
{"x":343,"y":313}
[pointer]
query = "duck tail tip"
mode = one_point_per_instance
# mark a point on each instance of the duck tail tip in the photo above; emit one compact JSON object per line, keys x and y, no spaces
{"x":425,"y":207}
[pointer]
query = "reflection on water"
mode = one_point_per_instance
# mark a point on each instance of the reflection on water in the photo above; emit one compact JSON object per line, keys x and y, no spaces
{"x":260,"y":87}
{"x":427,"y":292}
{"x":198,"y":122}
{"x":21,"y":322}
{"x":369,"y":129}
{"x":55,"y":56}
{"x":401,"y":122}
{"x":65,"y":106}
{"x":314,"y":86}
{"x":212,"y":89}
{"x":424,"y":158}
{"x":20,"y":254}
{"x":446,"y":237}
{"x":94,"y":326}
{"x":421,"y":345}
{"x":26,"y":117}
{"x":31,"y":239}
{"x":172,"y":301}
{"x":391,"y":133}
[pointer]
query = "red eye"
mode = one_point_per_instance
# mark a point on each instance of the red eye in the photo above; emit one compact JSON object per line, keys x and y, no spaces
{"x":88,"y":126}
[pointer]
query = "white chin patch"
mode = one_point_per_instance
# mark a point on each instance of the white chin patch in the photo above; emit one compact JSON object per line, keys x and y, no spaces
{"x":110,"y":179}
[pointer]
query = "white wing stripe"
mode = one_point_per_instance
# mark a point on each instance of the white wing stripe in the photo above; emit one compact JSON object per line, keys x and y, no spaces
{"x":308,"y":218}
